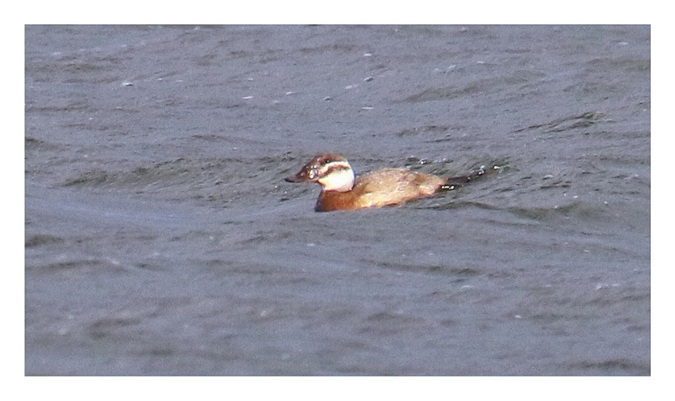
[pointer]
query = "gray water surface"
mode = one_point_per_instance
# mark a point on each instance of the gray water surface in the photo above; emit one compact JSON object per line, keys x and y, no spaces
{"x":161,"y":238}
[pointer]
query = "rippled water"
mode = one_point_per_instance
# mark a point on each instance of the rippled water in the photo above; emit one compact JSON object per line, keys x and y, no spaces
{"x":162,"y":240}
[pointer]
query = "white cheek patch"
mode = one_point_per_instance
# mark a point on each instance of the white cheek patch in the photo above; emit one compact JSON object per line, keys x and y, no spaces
{"x":340,"y":179}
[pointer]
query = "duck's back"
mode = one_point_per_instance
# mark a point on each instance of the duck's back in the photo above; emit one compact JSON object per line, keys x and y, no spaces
{"x":398,"y":182}
{"x":389,"y":186}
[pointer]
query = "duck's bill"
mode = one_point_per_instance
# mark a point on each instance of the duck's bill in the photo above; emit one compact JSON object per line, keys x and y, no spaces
{"x":305,"y":175}
{"x":300,"y":177}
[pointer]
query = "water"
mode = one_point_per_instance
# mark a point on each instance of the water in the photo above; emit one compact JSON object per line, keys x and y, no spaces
{"x":161,"y":238}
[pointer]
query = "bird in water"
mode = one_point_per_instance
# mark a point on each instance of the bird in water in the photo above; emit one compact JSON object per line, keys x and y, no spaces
{"x":342,"y":190}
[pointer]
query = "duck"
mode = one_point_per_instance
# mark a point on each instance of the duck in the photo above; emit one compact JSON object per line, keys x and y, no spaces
{"x":342,"y":190}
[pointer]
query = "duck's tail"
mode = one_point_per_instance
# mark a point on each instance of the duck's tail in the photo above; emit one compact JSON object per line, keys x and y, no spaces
{"x":453,"y":183}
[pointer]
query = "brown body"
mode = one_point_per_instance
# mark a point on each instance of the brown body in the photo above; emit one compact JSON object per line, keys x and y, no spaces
{"x":379,"y":188}
{"x":390,"y":186}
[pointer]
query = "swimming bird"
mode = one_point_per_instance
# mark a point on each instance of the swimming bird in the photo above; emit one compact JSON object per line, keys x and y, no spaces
{"x":342,"y":190}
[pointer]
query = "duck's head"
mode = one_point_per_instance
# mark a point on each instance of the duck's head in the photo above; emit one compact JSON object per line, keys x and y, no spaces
{"x":332,"y":171}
